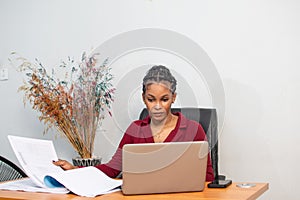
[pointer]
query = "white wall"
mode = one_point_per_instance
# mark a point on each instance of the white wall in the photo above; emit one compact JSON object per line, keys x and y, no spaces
{"x":254,"y":45}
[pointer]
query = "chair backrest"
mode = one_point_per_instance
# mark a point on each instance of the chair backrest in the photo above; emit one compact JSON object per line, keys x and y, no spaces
{"x":9,"y":171}
{"x":207,"y":117}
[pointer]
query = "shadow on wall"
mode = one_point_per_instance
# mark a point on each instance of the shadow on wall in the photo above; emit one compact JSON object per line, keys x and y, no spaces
{"x":256,"y":144}
{"x":241,"y":141}
{"x":243,"y":106}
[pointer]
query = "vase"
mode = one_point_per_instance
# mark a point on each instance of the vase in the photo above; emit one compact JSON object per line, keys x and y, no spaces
{"x":85,"y":162}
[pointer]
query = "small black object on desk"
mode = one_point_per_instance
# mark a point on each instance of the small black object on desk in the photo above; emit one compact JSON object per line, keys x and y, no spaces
{"x":219,"y":184}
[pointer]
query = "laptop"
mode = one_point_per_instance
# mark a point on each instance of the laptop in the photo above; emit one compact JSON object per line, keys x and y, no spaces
{"x":150,"y":168}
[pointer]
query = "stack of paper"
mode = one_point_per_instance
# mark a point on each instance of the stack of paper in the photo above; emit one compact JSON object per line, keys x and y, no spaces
{"x":36,"y":156}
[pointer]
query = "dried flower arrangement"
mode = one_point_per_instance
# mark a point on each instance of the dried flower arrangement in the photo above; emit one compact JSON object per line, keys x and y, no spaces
{"x":75,"y":105}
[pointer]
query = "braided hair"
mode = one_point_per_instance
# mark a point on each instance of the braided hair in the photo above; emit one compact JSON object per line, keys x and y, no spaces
{"x":159,"y":74}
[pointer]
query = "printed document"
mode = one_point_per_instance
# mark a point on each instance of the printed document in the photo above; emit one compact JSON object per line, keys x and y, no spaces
{"x":36,"y":156}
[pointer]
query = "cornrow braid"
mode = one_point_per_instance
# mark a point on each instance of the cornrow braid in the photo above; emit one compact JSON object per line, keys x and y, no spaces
{"x":158,"y":74}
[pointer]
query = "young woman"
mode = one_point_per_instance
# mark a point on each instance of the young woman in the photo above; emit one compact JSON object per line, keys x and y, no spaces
{"x":161,"y":125}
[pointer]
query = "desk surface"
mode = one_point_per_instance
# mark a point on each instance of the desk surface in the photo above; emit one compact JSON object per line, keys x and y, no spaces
{"x":232,"y":192}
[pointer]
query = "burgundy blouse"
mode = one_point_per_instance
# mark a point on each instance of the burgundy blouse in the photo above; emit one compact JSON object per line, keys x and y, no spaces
{"x":139,"y":132}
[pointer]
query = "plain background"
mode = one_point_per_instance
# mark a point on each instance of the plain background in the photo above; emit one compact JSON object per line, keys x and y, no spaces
{"x":254,"y":45}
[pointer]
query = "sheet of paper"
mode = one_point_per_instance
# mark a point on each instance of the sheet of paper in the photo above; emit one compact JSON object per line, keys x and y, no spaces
{"x":28,"y":185}
{"x":87,"y":181}
{"x":35,"y":157}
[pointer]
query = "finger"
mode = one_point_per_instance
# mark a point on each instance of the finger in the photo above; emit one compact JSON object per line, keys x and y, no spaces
{"x":59,"y":162}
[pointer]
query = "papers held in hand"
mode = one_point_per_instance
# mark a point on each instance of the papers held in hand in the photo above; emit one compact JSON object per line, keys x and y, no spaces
{"x":35,"y":157}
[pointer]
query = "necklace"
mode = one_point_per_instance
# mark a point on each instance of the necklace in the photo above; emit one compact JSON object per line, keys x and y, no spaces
{"x":158,"y":134}
{"x":161,"y":132}
{"x":159,"y":137}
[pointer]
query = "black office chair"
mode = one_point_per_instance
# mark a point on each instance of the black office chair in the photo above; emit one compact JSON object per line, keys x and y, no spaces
{"x":207,"y":117}
{"x":9,"y":171}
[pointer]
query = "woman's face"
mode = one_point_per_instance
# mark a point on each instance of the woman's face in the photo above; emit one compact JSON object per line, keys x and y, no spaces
{"x":158,"y":99}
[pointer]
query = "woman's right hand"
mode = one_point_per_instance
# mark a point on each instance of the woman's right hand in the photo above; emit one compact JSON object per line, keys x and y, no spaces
{"x":65,"y":165}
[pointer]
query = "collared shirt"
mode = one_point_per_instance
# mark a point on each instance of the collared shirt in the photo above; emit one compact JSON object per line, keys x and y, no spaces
{"x":139,"y":132}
